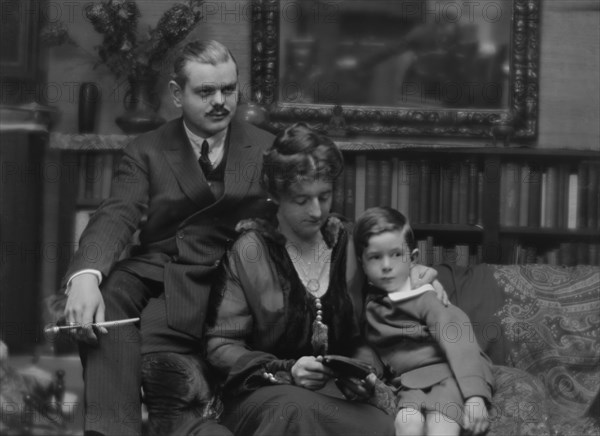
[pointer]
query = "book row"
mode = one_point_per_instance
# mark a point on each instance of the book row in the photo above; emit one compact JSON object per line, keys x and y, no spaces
{"x":95,"y":176}
{"x":555,"y":196}
{"x":427,"y":191}
{"x":432,"y":253}
{"x":566,"y":253}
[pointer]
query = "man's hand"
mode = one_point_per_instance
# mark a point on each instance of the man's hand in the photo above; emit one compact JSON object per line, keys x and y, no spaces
{"x":310,"y":373}
{"x":85,"y":306}
{"x":421,"y":275}
{"x":475,"y":420}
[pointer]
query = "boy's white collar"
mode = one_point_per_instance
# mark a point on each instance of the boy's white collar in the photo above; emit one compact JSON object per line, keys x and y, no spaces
{"x":405,"y":292}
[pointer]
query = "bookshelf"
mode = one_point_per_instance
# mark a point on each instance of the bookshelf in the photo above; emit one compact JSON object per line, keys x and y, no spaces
{"x":481,"y":204}
{"x":467,"y":204}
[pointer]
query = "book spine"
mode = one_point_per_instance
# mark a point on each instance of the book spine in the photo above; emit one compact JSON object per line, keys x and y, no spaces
{"x":582,"y":194}
{"x":512,"y":194}
{"x":562,"y":196}
{"x":573,"y":201}
{"x":394,"y":184}
{"x":81,"y":182}
{"x":404,"y":188}
{"x":446,"y":195}
{"x":463,"y":193}
{"x":462,"y":255}
{"x":384,"y":183}
{"x":551,"y":195}
{"x":360,"y":184}
{"x":424,"y":187}
{"x":372,"y":183}
{"x":473,"y":197}
{"x":349,"y":188}
{"x":535,"y":198}
{"x":107,"y":174}
{"x":524,"y":195}
{"x":97,"y":177}
{"x":414,"y":191}
{"x":423,"y":254}
{"x":592,"y":197}
{"x":434,"y":193}
{"x":455,"y":193}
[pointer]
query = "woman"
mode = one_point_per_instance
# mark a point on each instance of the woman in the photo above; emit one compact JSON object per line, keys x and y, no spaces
{"x":291,"y":293}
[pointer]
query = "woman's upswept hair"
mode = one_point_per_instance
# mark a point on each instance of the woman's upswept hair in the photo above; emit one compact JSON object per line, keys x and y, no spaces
{"x":377,"y":220}
{"x":299,"y":153}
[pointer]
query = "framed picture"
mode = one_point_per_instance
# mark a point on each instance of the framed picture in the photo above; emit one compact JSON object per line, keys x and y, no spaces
{"x":429,"y":68}
{"x":18,"y":43}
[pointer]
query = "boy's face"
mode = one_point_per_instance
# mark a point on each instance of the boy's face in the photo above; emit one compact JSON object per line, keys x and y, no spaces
{"x":387,"y":260}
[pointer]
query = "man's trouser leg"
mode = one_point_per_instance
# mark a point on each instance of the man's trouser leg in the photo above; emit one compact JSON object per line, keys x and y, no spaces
{"x":111,"y":369}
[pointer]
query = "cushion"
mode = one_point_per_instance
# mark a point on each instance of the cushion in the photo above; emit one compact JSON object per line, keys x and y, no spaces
{"x":519,"y":404}
{"x":177,"y":392}
{"x":551,"y":321}
{"x":476,"y":291}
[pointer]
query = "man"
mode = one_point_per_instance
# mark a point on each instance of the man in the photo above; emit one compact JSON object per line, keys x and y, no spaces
{"x":193,"y":179}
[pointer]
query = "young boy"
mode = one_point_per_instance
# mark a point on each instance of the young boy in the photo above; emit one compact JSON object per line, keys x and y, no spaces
{"x":444,"y":380}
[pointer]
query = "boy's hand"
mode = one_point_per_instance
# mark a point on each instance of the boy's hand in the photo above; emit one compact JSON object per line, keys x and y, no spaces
{"x":475,"y":420}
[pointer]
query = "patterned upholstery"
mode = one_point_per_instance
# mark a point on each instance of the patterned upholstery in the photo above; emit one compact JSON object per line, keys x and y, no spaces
{"x":176,"y":393}
{"x":551,"y":323}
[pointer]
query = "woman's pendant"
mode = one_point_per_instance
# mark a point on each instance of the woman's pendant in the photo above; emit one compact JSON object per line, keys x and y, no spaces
{"x":313,"y":286}
{"x":319,"y":340}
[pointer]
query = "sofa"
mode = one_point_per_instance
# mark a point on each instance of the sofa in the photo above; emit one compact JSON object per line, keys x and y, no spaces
{"x":539,"y":324}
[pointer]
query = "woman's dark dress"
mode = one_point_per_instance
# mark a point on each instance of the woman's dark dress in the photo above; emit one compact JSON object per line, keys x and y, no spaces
{"x":263,"y":324}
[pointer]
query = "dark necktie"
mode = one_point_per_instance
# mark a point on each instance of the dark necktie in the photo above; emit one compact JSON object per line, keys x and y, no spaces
{"x":204,"y":161}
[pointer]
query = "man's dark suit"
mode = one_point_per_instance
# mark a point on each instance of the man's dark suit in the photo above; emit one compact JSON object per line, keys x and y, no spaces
{"x":185,"y":233}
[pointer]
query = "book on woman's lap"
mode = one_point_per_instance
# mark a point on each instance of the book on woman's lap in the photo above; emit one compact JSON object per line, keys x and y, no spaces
{"x":347,"y":367}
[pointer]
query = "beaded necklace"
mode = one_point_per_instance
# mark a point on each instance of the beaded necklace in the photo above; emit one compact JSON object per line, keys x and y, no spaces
{"x":312,"y":280}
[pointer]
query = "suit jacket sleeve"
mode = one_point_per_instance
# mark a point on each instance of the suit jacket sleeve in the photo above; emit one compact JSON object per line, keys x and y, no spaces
{"x":112,"y":226}
{"x":452,"y":329}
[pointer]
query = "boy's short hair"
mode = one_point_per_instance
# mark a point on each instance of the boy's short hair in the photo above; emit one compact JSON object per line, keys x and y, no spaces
{"x":377,"y":220}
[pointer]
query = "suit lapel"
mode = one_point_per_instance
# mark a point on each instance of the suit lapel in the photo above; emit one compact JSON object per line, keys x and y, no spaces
{"x":243,"y":161}
{"x":182,"y":160}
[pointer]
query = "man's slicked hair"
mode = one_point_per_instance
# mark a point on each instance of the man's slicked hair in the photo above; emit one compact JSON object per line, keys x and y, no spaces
{"x":205,"y":52}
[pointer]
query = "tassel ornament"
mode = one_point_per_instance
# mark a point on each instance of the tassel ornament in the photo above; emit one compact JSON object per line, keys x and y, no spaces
{"x":320,"y":334}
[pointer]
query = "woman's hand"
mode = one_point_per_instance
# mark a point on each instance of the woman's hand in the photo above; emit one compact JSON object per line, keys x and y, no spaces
{"x":310,"y":373}
{"x":354,"y":389}
{"x":475,"y":419}
{"x":421,"y":275}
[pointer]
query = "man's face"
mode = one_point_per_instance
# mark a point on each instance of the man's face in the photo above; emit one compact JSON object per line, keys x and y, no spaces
{"x":209,"y":98}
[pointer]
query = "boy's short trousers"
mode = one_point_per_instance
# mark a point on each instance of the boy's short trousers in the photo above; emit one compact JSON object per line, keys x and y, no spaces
{"x":443,"y":397}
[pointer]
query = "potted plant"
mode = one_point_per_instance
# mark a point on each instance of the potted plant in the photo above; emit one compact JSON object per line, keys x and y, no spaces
{"x":137,"y":56}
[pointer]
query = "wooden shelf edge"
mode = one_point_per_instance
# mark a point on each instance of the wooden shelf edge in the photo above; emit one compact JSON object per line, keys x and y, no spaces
{"x":88,"y":141}
{"x":550,"y":231}
{"x":447,"y":228}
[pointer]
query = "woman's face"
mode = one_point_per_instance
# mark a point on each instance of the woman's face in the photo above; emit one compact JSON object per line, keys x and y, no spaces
{"x":304,"y":208}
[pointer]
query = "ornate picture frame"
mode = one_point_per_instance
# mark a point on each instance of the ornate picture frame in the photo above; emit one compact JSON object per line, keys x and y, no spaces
{"x":519,"y":120}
